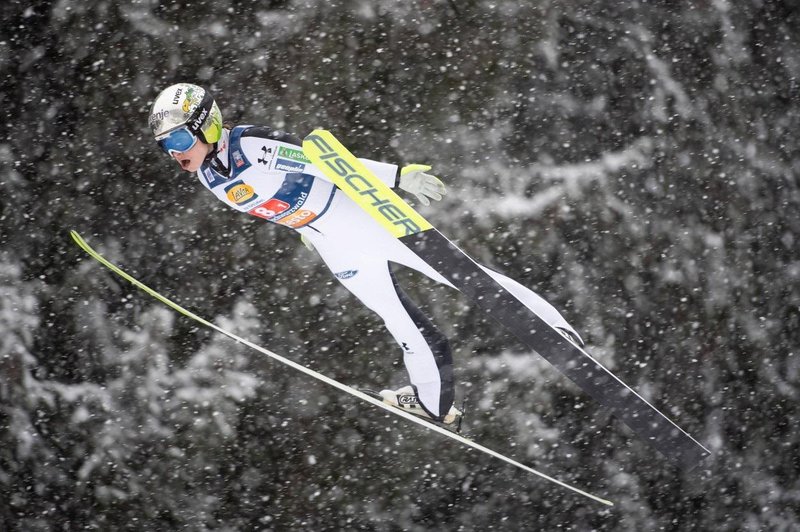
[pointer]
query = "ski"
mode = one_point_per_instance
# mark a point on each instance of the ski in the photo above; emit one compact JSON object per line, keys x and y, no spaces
{"x":327,"y":380}
{"x":407,"y":225}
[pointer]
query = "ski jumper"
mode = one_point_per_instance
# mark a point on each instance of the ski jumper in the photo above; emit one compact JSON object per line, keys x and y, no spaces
{"x":263,"y":172}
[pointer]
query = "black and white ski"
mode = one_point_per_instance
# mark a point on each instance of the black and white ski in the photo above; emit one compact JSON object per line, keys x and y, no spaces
{"x":400,"y":219}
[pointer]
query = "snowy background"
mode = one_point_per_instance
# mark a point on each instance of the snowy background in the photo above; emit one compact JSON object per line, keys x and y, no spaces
{"x":635,"y":162}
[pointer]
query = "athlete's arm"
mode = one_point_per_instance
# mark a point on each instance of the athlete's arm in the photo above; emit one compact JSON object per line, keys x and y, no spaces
{"x":388,"y":173}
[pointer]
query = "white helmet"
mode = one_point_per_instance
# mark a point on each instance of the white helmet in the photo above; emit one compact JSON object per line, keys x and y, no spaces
{"x":185,"y":107}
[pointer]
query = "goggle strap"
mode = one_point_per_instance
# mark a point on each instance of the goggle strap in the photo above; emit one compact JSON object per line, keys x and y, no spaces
{"x":199,"y":115}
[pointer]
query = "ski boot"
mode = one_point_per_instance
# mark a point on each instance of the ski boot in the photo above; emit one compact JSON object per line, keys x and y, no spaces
{"x":405,"y":399}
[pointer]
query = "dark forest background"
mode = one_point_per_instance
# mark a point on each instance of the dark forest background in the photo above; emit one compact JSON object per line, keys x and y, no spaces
{"x":634,"y":162}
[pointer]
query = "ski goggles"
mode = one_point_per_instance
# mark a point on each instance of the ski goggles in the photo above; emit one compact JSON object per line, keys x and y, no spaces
{"x":177,"y":141}
{"x":184,"y":137}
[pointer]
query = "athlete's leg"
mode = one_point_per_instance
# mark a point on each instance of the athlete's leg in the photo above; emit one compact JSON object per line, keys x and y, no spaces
{"x":426,"y":351}
{"x":528,"y":297}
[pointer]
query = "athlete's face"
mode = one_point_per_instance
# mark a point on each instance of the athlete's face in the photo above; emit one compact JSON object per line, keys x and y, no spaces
{"x":191,"y":159}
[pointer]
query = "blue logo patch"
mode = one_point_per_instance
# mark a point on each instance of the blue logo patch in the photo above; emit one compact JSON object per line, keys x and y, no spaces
{"x":294,"y":192}
{"x":286,"y":165}
{"x":212,"y":178}
{"x":347,"y":274}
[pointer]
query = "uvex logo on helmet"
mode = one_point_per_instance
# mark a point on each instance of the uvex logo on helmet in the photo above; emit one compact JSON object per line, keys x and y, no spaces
{"x":195,"y":125}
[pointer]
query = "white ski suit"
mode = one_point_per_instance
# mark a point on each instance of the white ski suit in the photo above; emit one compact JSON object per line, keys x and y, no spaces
{"x":263,"y":172}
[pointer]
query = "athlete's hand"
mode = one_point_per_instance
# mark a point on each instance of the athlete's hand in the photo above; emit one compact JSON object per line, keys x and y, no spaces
{"x":413,"y":179}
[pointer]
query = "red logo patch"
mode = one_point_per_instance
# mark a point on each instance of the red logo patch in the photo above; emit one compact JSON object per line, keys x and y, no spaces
{"x":269,"y":209}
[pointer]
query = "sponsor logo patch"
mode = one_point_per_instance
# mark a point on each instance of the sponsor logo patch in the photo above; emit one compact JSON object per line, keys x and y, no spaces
{"x":286,"y":165}
{"x":370,"y":193}
{"x":295,"y":155}
{"x":195,"y":126}
{"x":270,"y":209}
{"x":238,"y":160}
{"x":286,"y":206}
{"x":298,"y":219}
{"x":265,"y":159}
{"x":240,"y":193}
{"x":407,"y":399}
{"x":347,"y":274}
{"x":212,"y":178}
{"x":157,"y":118}
{"x":188,"y":102}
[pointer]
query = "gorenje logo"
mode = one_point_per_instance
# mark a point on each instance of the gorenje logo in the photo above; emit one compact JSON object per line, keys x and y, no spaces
{"x":159,"y":115}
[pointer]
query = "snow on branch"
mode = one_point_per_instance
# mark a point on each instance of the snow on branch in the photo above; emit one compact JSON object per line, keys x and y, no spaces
{"x":508,"y":198}
{"x":575,"y":176}
{"x":144,"y":20}
{"x":665,"y":86}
